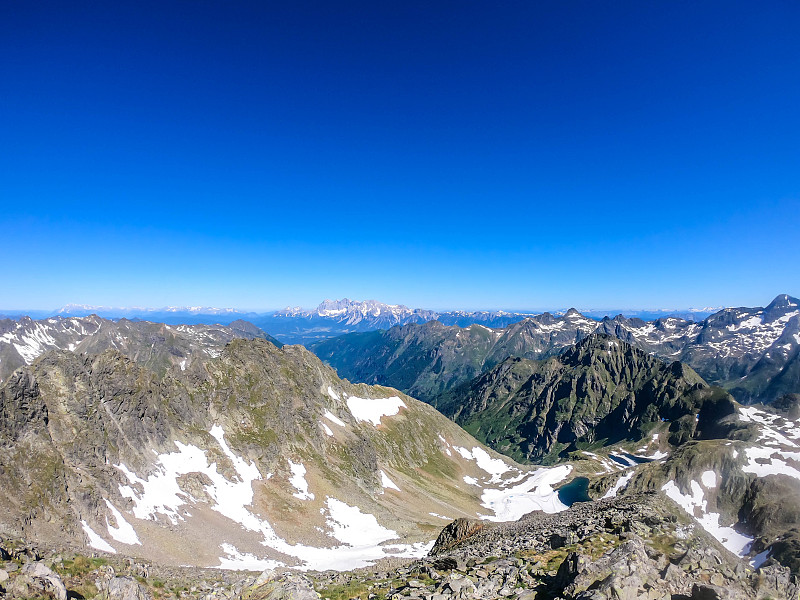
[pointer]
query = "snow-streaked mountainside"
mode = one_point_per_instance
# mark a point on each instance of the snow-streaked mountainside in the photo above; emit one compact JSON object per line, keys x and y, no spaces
{"x":156,"y":345}
{"x":752,"y":351}
{"x":256,"y":458}
{"x":738,"y":476}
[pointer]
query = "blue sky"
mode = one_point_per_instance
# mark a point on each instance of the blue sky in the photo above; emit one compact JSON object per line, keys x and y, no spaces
{"x":437,"y":154}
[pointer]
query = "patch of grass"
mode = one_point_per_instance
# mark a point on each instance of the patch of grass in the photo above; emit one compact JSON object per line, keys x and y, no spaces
{"x":346,"y":591}
{"x":86,"y":589}
{"x":80,"y":565}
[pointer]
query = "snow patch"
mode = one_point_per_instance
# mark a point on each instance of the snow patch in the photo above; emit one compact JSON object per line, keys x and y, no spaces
{"x":371,"y":410}
{"x":438,"y":516}
{"x":535,"y":493}
{"x":95,"y":541}
{"x":350,"y":526}
{"x":493,"y":466}
{"x":334,"y":419}
{"x":769,"y":461}
{"x":692,"y":503}
{"x":709,"y":479}
{"x":388,"y":483}
{"x":621,"y":483}
{"x":242,"y":561}
{"x":298,"y":480}
{"x":760,"y":558}
{"x":124,"y":531}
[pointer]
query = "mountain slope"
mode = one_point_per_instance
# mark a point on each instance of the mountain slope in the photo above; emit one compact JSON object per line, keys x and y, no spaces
{"x":155,"y":345}
{"x":261,"y":456}
{"x":602,"y":389}
{"x":425,"y":360}
{"x":738,"y":477}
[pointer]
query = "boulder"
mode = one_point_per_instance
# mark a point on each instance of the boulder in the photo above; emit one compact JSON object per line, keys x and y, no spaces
{"x":125,"y":588}
{"x":270,"y":586}
{"x":37,"y":579}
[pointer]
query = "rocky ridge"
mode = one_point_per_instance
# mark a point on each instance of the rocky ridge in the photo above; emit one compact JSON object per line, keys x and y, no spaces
{"x":601,"y":389}
{"x":155,"y":345}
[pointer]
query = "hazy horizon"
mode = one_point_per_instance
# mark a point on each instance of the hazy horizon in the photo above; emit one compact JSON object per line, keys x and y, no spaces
{"x":261,"y":311}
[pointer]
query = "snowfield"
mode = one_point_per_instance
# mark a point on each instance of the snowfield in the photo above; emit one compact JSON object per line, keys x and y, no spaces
{"x":372,"y":410}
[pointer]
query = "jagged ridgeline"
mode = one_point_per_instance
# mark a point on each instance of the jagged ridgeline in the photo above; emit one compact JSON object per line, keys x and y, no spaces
{"x":599,"y":392}
{"x":752,"y":352}
{"x":258,"y":457}
{"x":157,"y":346}
{"x":425,"y":360}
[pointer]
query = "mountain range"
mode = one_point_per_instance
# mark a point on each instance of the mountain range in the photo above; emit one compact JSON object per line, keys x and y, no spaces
{"x":215,"y":445}
{"x":295,"y":325}
{"x":753,"y":352}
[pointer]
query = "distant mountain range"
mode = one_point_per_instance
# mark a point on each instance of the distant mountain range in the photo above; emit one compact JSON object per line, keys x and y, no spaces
{"x":295,"y":325}
{"x":753,"y":352}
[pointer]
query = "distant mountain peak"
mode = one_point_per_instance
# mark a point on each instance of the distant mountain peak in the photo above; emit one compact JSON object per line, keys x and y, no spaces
{"x":783,"y":301}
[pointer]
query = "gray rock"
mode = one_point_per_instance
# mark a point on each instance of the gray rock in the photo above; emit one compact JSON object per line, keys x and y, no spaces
{"x":704,"y":591}
{"x":270,"y":586}
{"x":37,"y":579}
{"x":125,"y":588}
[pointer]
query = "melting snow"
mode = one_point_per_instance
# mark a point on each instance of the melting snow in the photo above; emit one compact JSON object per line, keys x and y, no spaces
{"x":494,"y":466}
{"x":333,"y":418}
{"x":95,"y":541}
{"x":709,"y":479}
{"x":621,"y":483}
{"x":388,"y":483}
{"x":657,"y":455}
{"x":367,"y":409}
{"x":242,"y":561}
{"x":760,"y":558}
{"x":298,"y":480}
{"x":351,"y":526}
{"x":124,"y":531}
{"x":730,"y":538}
{"x":440,"y":516}
{"x":160,"y":494}
{"x":327,"y":429}
{"x":470,"y":480}
{"x":535,"y":493}
{"x":333,"y":394}
{"x":757,"y":462}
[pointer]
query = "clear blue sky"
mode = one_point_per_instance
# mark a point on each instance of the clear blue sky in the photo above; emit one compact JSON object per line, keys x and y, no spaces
{"x":438,"y":154}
